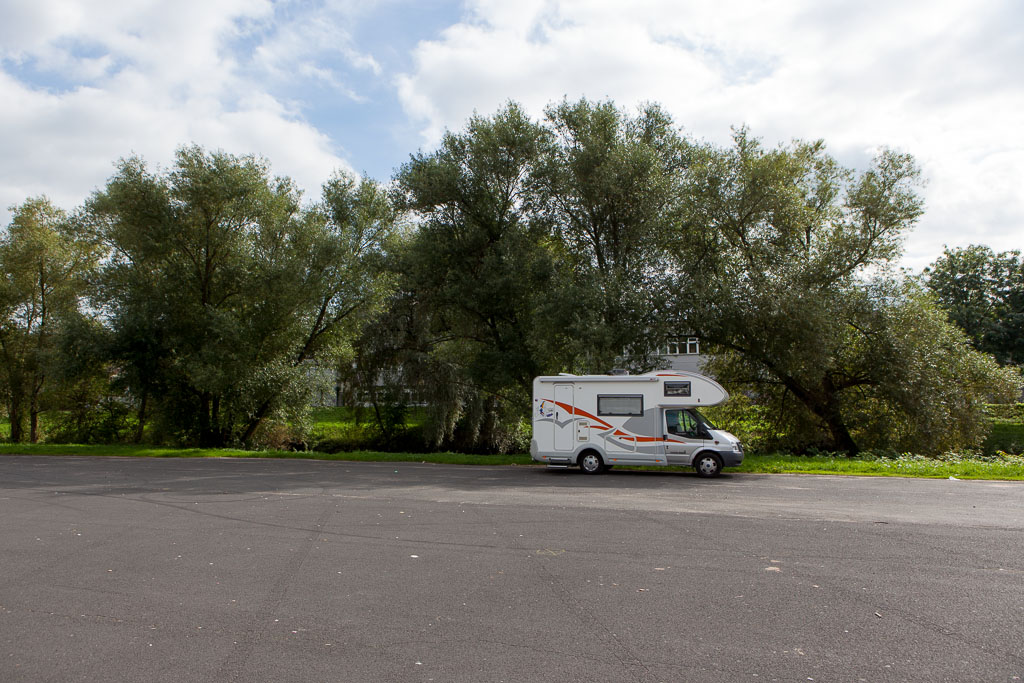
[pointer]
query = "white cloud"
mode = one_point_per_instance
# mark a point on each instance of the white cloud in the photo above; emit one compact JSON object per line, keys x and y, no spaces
{"x":85,"y":83}
{"x":936,"y":79}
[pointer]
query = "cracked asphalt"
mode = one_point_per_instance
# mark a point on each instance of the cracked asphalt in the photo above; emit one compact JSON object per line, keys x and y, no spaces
{"x":285,"y":570}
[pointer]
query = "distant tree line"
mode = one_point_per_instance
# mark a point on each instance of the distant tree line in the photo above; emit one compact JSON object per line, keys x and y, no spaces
{"x":983,"y":293}
{"x":199,"y":304}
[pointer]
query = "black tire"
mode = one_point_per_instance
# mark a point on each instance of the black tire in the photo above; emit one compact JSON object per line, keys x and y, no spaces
{"x":708,"y":465}
{"x":591,"y":463}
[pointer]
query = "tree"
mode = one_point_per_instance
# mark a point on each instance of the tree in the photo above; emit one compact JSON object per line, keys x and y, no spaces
{"x":609,"y":189}
{"x":922,"y":388}
{"x":983,"y":293}
{"x":479,"y":269}
{"x":221,"y":289}
{"x":929,"y":386}
{"x":89,"y":403}
{"x":45,"y":261}
{"x":770,"y":259}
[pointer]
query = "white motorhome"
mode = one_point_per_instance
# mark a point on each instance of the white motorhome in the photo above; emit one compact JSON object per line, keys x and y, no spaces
{"x":599,"y":421}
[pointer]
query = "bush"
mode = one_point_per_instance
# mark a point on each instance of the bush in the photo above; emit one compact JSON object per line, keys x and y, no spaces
{"x":766,"y":424}
{"x":108,"y":420}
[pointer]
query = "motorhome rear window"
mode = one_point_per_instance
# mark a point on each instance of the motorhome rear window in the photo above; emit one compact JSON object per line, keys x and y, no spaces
{"x":677,"y":388}
{"x":620,"y":405}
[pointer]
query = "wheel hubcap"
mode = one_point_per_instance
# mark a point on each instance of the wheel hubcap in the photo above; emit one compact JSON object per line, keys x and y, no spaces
{"x":590,"y":463}
{"x":707,"y":466}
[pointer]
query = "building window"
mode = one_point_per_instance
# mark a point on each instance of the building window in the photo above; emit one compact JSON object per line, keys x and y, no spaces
{"x":620,"y":405}
{"x":690,"y":347}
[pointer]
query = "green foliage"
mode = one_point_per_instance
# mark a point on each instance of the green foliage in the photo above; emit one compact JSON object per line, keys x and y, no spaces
{"x":961,"y":466}
{"x":536,"y":251}
{"x":983,"y":293}
{"x":221,"y":290}
{"x":771,"y":261}
{"x":764,"y":422}
{"x":472,"y":277}
{"x":94,"y":416}
{"x":92,"y":405}
{"x":923,"y":388}
{"x":930,"y":384}
{"x":516,"y":248}
{"x":45,"y":262}
{"x":943,"y":466}
{"x":1006,"y":436}
{"x":608,"y":188}
{"x":340,"y":429}
{"x":1012,"y":412}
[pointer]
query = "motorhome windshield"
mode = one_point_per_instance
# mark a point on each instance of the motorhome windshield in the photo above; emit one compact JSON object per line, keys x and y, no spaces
{"x":703,"y":420}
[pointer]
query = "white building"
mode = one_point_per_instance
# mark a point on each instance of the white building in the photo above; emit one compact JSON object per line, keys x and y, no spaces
{"x":683,"y":355}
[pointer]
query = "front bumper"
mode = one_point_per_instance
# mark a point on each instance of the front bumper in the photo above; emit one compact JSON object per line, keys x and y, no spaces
{"x":731,"y":458}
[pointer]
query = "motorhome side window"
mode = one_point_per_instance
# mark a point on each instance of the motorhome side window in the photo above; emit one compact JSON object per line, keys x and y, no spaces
{"x":620,"y":405}
{"x":677,"y":388}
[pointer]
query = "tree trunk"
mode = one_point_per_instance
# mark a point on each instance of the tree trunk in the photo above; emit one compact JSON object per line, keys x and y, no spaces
{"x":142,"y":417}
{"x":204,"y":420}
{"x":841,"y":439}
{"x":14,"y":413}
{"x":255,"y":422}
{"x":217,"y":438}
{"x":824,"y":403}
{"x":33,"y":414}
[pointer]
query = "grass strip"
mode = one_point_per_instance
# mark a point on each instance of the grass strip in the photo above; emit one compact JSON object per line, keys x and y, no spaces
{"x":129,"y":451}
{"x":1000,"y":468}
{"x":918,"y":467}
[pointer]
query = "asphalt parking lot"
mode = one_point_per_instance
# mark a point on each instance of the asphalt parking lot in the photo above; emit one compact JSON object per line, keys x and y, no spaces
{"x":283,"y":570}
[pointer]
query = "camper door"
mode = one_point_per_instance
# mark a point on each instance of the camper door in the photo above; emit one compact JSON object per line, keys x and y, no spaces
{"x":682,"y":434}
{"x":565,"y":428}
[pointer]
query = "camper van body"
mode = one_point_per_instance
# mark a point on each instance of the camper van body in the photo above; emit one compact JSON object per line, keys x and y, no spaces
{"x":598,"y":421}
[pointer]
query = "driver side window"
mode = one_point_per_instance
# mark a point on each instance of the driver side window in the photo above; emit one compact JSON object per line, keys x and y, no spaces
{"x":681,"y":423}
{"x":689,"y":425}
{"x":672,"y":424}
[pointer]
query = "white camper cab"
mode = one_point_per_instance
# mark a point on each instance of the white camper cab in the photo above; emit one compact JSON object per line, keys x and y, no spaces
{"x":598,"y":421}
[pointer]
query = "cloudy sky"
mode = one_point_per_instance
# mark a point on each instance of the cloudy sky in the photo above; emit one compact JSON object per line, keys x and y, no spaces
{"x":319,"y":85}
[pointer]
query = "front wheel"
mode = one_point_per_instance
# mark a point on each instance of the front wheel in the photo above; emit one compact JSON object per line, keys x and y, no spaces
{"x":591,"y":463}
{"x":708,"y":465}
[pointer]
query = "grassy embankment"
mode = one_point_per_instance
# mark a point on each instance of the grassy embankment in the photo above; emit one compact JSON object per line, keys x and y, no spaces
{"x":334,"y":425}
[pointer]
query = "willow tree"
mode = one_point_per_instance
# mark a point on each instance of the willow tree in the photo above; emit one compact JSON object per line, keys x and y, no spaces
{"x":770,"y":263}
{"x":222,"y":289}
{"x":609,"y":188}
{"x":479,"y":269}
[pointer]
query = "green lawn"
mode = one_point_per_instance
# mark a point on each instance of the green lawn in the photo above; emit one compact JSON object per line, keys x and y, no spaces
{"x":1007,"y":467}
{"x":1006,"y":435}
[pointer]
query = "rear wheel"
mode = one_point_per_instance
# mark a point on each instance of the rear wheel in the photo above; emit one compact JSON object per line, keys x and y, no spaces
{"x":708,"y":465}
{"x":591,"y":463}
